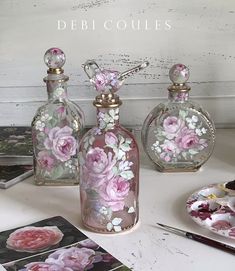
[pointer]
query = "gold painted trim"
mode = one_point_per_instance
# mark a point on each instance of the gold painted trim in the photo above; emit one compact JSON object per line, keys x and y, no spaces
{"x":108,"y":100}
{"x":179,"y":88}
{"x":55,"y":71}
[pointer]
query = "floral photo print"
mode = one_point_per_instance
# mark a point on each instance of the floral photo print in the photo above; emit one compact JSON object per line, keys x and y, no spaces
{"x":36,"y":238}
{"x":53,"y":245}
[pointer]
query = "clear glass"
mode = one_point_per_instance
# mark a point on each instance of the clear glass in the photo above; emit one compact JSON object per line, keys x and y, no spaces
{"x":109,"y":181}
{"x":178,"y":135}
{"x":56,"y":130}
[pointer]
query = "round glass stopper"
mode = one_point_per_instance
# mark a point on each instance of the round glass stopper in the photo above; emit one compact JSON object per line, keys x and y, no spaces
{"x":54,"y":58}
{"x":179,"y":74}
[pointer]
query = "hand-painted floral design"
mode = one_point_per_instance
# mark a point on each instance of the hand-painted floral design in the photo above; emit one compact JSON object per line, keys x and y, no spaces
{"x":61,"y":142}
{"x":56,"y":130}
{"x":113,"y":192}
{"x":179,"y":73}
{"x":46,"y":160}
{"x":178,"y":96}
{"x":34,"y":239}
{"x":107,"y":119}
{"x":106,"y":80}
{"x":107,"y":174}
{"x":179,"y":138}
{"x":55,"y":147}
{"x":98,"y":165}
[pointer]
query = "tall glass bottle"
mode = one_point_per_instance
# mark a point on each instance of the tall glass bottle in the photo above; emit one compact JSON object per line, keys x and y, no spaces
{"x":178,"y":135}
{"x":56,"y":128}
{"x":109,"y":160}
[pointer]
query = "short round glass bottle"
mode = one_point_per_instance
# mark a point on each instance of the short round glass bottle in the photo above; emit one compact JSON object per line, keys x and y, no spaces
{"x":109,"y":160}
{"x":178,"y":135}
{"x":56,"y":129}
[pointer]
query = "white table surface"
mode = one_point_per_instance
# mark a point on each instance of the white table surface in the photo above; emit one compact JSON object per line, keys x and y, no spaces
{"x":162,"y":199}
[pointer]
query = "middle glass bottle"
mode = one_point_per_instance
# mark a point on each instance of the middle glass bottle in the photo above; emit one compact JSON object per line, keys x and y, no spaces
{"x":109,"y":159}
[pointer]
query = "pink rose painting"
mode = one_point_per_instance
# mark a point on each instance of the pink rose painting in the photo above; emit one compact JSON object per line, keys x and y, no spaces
{"x":61,"y":142}
{"x":45,"y":160}
{"x":97,"y":165}
{"x":179,"y":138}
{"x":34,"y":239}
{"x":113,"y":193}
{"x":187,"y":139}
{"x":172,"y":126}
{"x":107,"y":179}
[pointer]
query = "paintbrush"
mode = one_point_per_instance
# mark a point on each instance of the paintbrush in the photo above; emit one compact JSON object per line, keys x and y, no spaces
{"x":199,"y":238}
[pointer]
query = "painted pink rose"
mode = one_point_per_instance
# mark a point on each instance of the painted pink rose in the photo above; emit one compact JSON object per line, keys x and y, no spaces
{"x":98,"y":165}
{"x":221,"y":225}
{"x":170,"y":149}
{"x":45,"y":160}
{"x":172,"y":125}
{"x":34,"y":239}
{"x":61,"y":142}
{"x":42,"y":266}
{"x":110,"y":138}
{"x":78,"y":259}
{"x":113,"y":192}
{"x":187,"y":139}
{"x":100,"y":81}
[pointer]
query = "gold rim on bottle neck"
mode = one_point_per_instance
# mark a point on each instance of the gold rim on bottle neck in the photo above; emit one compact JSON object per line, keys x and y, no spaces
{"x":107,"y":100}
{"x":179,"y":88}
{"x":55,"y":71}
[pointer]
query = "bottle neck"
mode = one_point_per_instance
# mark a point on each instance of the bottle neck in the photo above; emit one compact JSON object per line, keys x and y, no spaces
{"x":107,"y":118}
{"x":178,"y":97}
{"x":56,"y":90}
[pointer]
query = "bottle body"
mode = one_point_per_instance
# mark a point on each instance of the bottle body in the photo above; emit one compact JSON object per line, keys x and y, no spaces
{"x":56,"y":132}
{"x":109,"y":176}
{"x":179,"y":135}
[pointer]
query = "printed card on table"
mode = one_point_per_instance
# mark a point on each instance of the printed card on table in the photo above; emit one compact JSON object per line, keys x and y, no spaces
{"x":53,"y":244}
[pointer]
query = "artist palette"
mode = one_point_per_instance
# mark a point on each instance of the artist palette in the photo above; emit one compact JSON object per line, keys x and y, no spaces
{"x":213,"y":207}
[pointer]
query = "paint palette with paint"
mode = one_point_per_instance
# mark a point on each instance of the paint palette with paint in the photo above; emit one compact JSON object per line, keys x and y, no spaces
{"x":213,"y":207}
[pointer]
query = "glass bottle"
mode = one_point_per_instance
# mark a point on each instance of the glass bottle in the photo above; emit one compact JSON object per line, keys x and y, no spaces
{"x":56,"y":128}
{"x":178,"y":135}
{"x":109,"y":160}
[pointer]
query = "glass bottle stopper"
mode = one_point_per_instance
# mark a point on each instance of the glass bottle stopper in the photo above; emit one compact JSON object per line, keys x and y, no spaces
{"x":54,"y":58}
{"x":179,"y":75}
{"x":107,"y":82}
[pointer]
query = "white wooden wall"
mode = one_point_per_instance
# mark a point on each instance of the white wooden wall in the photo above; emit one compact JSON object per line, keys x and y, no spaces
{"x":202,"y":36}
